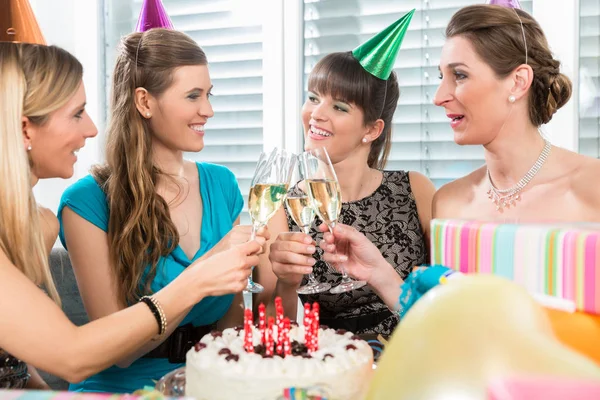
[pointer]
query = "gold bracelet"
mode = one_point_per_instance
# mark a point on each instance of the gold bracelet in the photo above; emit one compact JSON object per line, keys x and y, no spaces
{"x":158,"y":313}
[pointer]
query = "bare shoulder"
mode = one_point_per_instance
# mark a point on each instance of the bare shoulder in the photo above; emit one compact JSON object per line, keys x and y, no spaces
{"x":584,"y":180}
{"x":423,"y":190}
{"x":50,"y":225}
{"x":456,"y":192}
{"x":419,"y":183}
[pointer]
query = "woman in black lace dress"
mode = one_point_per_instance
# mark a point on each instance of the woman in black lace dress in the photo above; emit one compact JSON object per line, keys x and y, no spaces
{"x":349,"y":111}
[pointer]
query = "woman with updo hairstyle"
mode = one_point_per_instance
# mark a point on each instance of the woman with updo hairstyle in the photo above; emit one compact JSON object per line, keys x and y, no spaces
{"x":499,"y":84}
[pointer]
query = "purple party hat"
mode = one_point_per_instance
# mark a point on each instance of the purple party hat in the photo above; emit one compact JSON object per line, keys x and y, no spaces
{"x":153,"y":15}
{"x":506,"y":3}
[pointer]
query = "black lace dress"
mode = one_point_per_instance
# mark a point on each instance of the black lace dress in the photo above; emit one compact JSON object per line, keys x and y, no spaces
{"x":389,"y":218}
{"x":13,"y":373}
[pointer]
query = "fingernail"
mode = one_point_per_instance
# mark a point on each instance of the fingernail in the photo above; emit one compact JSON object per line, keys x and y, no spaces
{"x":311,"y":249}
{"x":308,"y":271}
{"x":308,"y":240}
{"x":311,"y":261}
{"x":343,"y":258}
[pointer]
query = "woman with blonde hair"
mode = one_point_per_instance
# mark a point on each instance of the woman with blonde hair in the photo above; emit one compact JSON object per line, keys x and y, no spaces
{"x":138,"y":221}
{"x":42,"y":125}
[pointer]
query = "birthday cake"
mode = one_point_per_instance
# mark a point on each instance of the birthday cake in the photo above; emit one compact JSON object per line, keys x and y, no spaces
{"x":264,"y":362}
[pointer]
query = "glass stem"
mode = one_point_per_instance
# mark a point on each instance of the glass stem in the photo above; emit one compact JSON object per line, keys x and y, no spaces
{"x":343,"y":270}
{"x":311,"y":278}
{"x":252,"y":237}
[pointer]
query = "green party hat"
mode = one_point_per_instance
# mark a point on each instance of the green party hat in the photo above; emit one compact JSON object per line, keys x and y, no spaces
{"x":378,"y":54}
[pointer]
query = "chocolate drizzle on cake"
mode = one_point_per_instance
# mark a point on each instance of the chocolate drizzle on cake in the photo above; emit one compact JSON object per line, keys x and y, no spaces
{"x":216,"y":333}
{"x":199,"y":346}
{"x":233,"y":357}
{"x":350,"y":347}
{"x":299,"y":349}
{"x":260,"y":349}
{"x":225,"y":351}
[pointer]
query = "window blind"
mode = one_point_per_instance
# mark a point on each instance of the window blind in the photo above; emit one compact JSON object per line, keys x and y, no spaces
{"x":233,"y":45}
{"x":422,"y":137}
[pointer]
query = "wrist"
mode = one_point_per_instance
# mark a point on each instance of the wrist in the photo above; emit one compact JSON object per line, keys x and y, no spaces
{"x":156,"y":308}
{"x":283,"y":287}
{"x":383,"y":276}
{"x":181,"y":294}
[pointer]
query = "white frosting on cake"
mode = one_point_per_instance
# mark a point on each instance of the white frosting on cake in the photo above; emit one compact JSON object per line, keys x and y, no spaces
{"x":210,"y":375}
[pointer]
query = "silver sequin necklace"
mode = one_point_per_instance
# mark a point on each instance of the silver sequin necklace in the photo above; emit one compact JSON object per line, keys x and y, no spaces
{"x":504,"y":198}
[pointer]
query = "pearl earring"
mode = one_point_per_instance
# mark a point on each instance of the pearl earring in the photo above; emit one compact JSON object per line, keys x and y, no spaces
{"x":148,"y":114}
{"x":364,"y":140}
{"x":29,"y":148}
{"x":511,"y":99}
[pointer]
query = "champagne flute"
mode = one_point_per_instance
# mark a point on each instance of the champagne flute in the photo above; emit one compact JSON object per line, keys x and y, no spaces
{"x":268,"y":190}
{"x":324,"y":192}
{"x":300,"y":209}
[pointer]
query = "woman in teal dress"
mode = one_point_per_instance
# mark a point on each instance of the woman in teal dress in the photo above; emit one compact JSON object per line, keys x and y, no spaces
{"x":138,"y":221}
{"x":43,"y":122}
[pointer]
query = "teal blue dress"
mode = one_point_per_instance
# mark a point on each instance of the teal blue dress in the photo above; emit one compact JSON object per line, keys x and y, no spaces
{"x":222,"y":203}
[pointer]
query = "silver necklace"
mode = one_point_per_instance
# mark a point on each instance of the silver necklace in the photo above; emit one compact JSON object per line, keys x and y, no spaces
{"x":504,"y":198}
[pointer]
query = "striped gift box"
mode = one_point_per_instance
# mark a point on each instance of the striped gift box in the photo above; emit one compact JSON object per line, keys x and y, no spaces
{"x":556,"y":260}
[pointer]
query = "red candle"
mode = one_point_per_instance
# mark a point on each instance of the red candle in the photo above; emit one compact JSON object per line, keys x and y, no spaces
{"x":315,"y":327}
{"x":306,"y":314}
{"x":248,"y":331}
{"x":307,"y":327}
{"x":269,"y":338}
{"x":262,"y":318}
{"x":279,"y":322}
{"x":287,"y":348}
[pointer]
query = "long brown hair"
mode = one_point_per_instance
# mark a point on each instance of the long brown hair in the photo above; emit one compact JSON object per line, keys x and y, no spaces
{"x":140,"y":228}
{"x":341,"y":76}
{"x":36,"y":81}
{"x":495,"y":33}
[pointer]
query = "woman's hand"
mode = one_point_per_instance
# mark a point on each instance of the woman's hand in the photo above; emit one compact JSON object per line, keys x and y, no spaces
{"x":237,"y":235}
{"x":226,"y":271}
{"x":359,"y":256}
{"x":291,"y":257}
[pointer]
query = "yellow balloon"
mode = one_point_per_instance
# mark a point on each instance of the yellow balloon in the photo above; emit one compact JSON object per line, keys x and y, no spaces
{"x":464,"y":334}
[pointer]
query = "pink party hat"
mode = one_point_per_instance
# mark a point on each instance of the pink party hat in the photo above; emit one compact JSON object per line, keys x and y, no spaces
{"x":153,"y":15}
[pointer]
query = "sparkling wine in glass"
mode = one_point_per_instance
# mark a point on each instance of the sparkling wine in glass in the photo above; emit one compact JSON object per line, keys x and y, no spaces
{"x":300,"y":209}
{"x":324,"y":193}
{"x":267,"y":193}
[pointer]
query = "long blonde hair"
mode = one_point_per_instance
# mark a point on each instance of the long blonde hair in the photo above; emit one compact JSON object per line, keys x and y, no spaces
{"x":36,"y":81}
{"x":140,"y":228}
